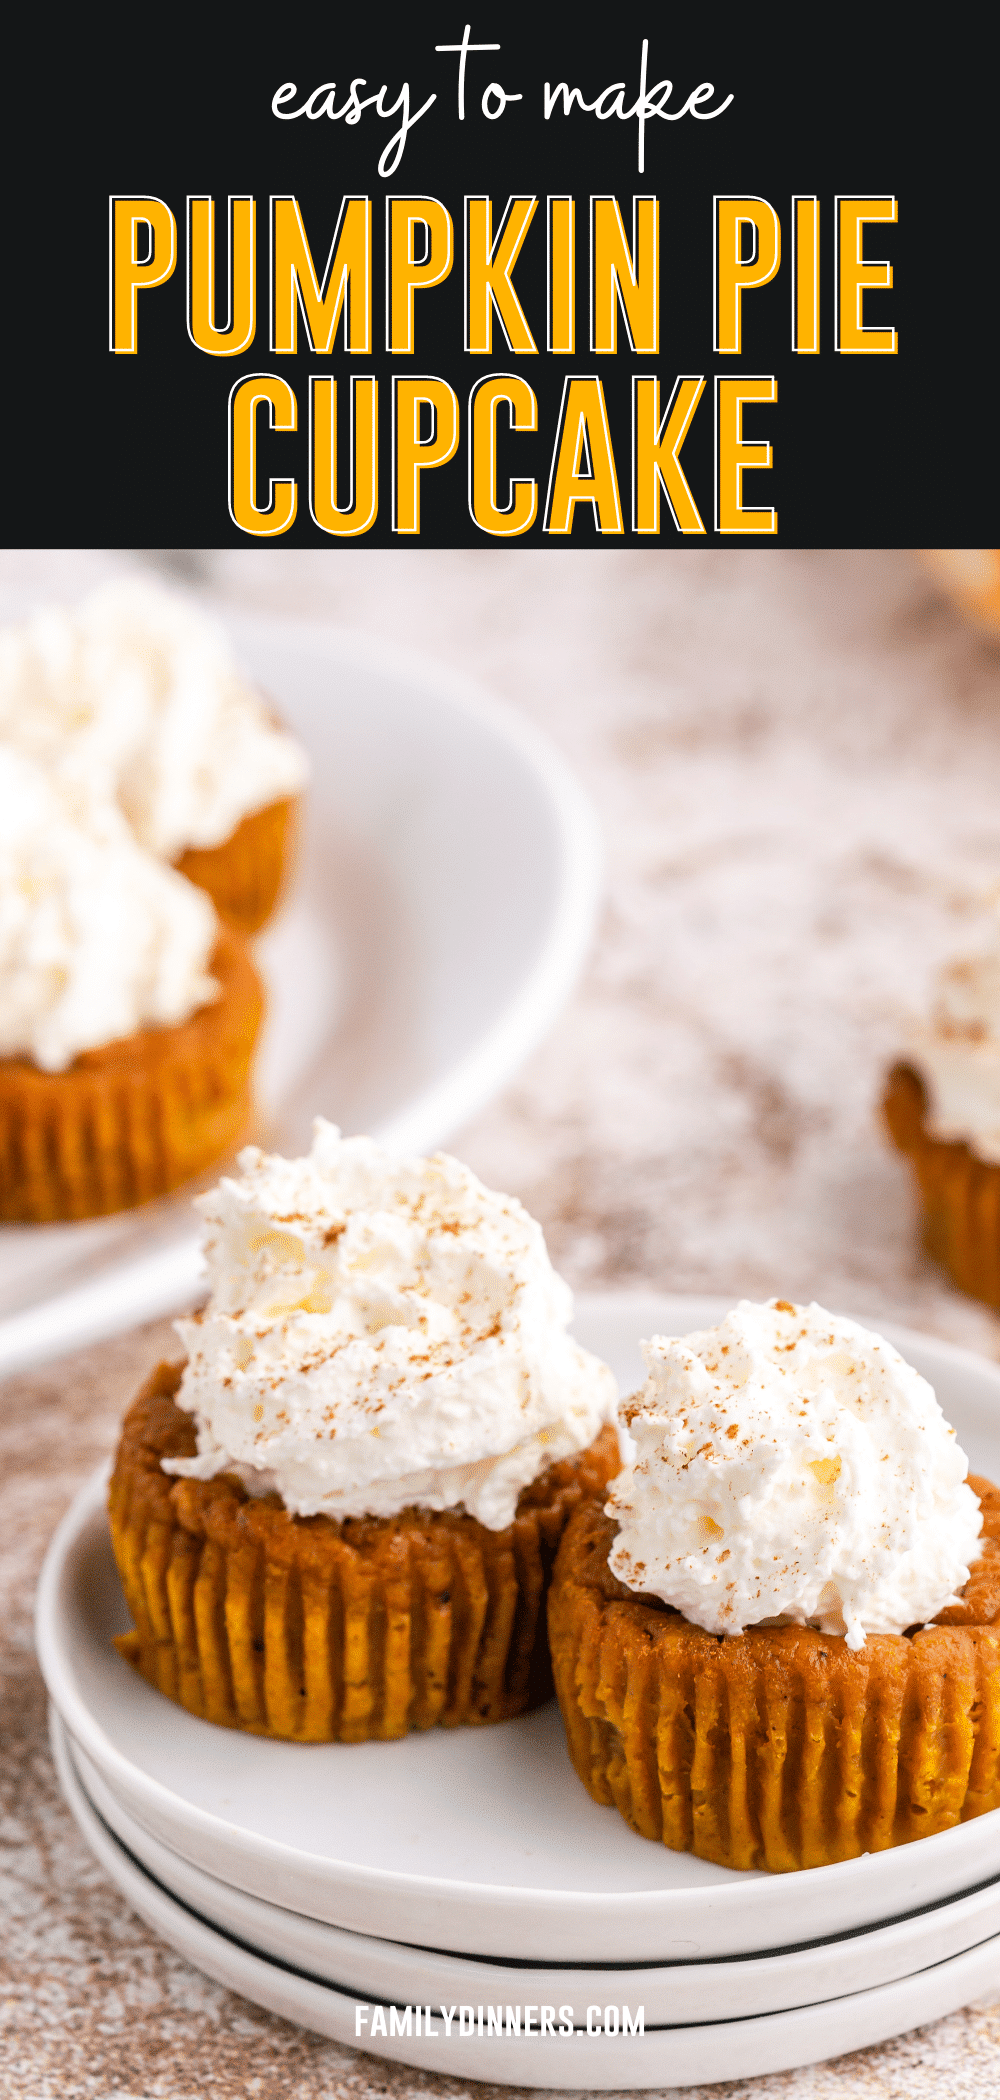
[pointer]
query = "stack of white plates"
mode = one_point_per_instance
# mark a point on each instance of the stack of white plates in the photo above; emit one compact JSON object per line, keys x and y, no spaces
{"x":467,"y":1876}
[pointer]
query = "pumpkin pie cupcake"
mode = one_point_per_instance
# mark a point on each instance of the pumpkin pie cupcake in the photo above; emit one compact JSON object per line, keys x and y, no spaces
{"x":778,"y":1643}
{"x":942,"y":1107}
{"x":128,"y":1016}
{"x":136,"y":694}
{"x":337,"y":1519}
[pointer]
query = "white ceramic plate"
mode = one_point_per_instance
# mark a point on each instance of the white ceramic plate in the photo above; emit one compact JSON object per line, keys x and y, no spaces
{"x":484,"y":1840}
{"x":685,"y":1992}
{"x":444,"y":902}
{"x":662,"y":2056}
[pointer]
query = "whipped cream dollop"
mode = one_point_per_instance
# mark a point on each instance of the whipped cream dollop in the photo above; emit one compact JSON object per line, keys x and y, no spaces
{"x":957,"y":1052}
{"x":136,"y":695}
{"x":381,"y":1332}
{"x":97,"y":939}
{"x":789,"y":1465}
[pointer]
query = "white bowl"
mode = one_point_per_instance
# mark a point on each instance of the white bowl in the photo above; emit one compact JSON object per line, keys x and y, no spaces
{"x":482,"y":1840}
{"x":444,"y":902}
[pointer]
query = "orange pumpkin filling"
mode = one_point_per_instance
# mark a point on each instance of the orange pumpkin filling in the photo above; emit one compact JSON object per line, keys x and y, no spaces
{"x":245,"y":875}
{"x":959,"y":1191}
{"x":323,"y":1630}
{"x":780,"y":1747}
{"x":134,"y":1118}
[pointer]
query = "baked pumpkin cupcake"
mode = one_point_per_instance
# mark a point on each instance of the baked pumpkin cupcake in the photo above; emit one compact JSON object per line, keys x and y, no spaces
{"x":337,"y":1520}
{"x":942,"y":1107}
{"x":136,"y":695}
{"x":245,"y":875}
{"x":778,"y":1645}
{"x":128,"y":1016}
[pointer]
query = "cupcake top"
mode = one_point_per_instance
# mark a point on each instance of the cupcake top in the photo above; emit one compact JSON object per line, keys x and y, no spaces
{"x":789,"y":1465}
{"x":97,"y":939}
{"x":136,"y":695}
{"x":382,"y":1332}
{"x":957,"y":1051}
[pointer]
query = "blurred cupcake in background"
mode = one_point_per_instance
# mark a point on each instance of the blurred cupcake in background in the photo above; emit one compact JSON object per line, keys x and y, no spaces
{"x":128,"y":1015}
{"x":135,"y":696}
{"x":971,"y":577}
{"x":942,"y":1105}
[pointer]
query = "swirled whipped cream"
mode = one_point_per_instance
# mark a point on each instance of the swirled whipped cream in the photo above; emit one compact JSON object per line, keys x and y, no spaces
{"x":135,"y":693}
{"x":97,"y":939}
{"x":789,"y":1465}
{"x":382,"y":1332}
{"x":957,"y":1052}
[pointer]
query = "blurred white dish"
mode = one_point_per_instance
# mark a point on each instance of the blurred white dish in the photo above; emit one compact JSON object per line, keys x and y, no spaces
{"x":479,"y":1840}
{"x":442,"y":907}
{"x":671,"y":1994}
{"x":662,"y":2056}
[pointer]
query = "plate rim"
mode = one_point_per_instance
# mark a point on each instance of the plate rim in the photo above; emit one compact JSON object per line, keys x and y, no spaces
{"x":565,"y":1976}
{"x":602,"y":2065}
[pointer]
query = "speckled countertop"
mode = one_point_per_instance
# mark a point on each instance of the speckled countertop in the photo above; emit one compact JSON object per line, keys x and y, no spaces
{"x":796,"y":758}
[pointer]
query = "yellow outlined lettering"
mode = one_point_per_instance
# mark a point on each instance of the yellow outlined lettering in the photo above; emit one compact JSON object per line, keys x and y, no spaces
{"x":583,"y":461}
{"x":241,"y":307}
{"x":127,"y":274}
{"x":360,"y":511}
{"x":656,"y":445}
{"x":855,"y":336}
{"x":277,"y":515}
{"x":734,"y":455}
{"x":736,"y":273}
{"x":488,"y":264}
{"x":404,"y":275}
{"x":413,"y":454}
{"x":346,"y":286}
{"x":805,"y":275}
{"x":518,"y":514}
{"x":561,"y":275}
{"x":620,"y":278}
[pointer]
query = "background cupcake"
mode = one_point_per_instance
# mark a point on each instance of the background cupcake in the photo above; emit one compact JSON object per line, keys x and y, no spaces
{"x":135,"y":693}
{"x":128,"y":1016}
{"x":942,"y":1106}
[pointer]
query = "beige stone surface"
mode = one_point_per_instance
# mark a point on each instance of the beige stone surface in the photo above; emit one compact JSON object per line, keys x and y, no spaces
{"x":796,"y":760}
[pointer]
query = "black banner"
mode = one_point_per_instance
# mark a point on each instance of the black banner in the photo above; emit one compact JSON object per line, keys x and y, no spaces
{"x":476,"y":278}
